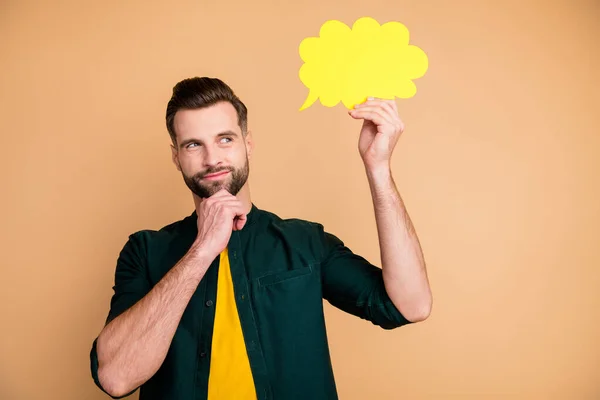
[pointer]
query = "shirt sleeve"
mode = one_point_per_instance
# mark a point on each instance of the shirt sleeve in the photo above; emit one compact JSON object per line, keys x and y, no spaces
{"x":131,"y":285}
{"x":354,"y":285}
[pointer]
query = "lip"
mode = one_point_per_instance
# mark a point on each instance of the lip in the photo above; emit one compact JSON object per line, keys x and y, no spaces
{"x":216,"y":176}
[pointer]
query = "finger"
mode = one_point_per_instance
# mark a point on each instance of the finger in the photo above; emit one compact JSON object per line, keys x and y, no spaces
{"x":222,"y":193}
{"x":369,"y":116}
{"x":231,"y":205}
{"x":373,"y":100}
{"x":371,"y":112}
{"x":392,"y":110}
{"x":235,"y":208}
{"x":218,"y":196}
{"x":239,"y":223}
{"x":224,"y":207}
{"x":239,"y":218}
{"x":217,"y":201}
{"x":388,"y":106}
{"x":394,"y":105}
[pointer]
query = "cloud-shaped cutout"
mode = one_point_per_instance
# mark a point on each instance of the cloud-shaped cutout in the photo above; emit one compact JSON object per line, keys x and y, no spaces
{"x":349,"y":65}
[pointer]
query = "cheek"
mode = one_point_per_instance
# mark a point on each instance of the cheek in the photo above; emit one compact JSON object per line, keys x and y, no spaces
{"x":241,"y":156}
{"x":190,"y":165}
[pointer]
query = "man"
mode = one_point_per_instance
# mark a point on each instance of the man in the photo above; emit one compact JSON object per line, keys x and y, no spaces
{"x":227,"y":303}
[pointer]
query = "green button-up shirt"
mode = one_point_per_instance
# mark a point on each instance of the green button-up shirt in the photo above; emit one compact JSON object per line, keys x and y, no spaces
{"x":282,"y":269}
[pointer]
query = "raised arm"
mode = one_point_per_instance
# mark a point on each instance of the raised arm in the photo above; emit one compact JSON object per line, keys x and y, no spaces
{"x":403,"y":264}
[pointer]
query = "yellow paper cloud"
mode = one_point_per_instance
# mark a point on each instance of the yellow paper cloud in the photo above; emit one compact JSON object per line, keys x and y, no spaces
{"x":349,"y":65}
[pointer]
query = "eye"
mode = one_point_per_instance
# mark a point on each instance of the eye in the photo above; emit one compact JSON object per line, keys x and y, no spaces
{"x":226,"y":138}
{"x":190,"y":145}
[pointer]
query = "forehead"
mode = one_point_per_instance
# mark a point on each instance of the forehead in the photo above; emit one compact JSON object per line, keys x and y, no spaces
{"x":205,"y":122}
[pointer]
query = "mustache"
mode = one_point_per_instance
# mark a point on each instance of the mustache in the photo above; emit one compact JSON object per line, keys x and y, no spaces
{"x":211,"y":171}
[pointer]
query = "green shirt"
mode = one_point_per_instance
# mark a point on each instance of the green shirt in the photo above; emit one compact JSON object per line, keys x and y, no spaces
{"x":282,"y":269}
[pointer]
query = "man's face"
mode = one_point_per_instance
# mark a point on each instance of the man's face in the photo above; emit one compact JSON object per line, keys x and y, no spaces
{"x":211,"y":152}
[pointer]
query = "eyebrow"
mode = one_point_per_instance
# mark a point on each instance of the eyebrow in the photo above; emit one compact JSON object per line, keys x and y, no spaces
{"x":219,"y":135}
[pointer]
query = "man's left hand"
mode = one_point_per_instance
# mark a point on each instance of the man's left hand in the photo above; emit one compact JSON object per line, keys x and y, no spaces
{"x":380,"y":132}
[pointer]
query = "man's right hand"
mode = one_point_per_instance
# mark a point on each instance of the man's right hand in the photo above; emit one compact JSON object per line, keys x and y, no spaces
{"x":218,"y":216}
{"x":133,"y":346}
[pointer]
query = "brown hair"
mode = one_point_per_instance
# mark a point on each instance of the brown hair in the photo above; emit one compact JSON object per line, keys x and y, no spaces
{"x":194,"y":93}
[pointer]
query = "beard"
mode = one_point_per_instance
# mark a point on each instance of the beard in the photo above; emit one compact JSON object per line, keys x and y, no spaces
{"x":233,"y":184}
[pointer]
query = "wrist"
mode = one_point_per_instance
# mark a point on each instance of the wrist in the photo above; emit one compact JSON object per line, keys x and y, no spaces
{"x":378,"y":171}
{"x":379,"y":175}
{"x":201,"y":252}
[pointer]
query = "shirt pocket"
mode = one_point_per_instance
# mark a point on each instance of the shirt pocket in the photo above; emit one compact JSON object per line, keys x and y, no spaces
{"x":284,"y":276}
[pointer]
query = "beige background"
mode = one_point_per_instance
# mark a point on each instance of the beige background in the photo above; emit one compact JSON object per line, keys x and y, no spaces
{"x":498,"y":166}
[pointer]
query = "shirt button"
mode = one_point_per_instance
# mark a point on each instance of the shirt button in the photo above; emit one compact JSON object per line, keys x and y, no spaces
{"x":243,"y":297}
{"x":203,"y":354}
{"x":209,"y":303}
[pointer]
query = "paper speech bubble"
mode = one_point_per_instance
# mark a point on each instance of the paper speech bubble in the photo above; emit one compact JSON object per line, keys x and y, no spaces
{"x":349,"y":65}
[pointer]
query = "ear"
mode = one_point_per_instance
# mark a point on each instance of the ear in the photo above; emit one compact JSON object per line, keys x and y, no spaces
{"x":175,"y":158}
{"x":249,"y":143}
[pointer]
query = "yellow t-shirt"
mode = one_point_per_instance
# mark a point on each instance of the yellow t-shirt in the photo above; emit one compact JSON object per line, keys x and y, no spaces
{"x":230,"y":375}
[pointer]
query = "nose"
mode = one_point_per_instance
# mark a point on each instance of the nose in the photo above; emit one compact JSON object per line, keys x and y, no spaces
{"x":212,"y":157}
